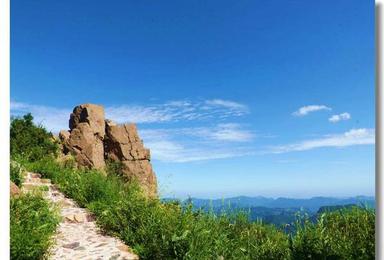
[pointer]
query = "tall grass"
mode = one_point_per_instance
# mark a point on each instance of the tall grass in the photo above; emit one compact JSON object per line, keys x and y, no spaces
{"x":32,"y":224}
{"x":347,"y":233}
{"x":165,"y":231}
{"x":158,"y":230}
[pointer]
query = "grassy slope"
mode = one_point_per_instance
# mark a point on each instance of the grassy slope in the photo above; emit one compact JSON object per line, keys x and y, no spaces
{"x":165,"y":231}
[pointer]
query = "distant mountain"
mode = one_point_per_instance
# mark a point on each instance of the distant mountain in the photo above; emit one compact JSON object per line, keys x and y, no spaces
{"x":280,"y":211}
{"x":311,"y":204}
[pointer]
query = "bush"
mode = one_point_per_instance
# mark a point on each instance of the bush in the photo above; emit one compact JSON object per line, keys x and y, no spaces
{"x":342,"y":234}
{"x":29,"y":141}
{"x":33,"y":223}
{"x":16,"y":173}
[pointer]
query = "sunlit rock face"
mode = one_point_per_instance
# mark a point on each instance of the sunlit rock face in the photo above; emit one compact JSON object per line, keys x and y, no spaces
{"x":92,"y":140}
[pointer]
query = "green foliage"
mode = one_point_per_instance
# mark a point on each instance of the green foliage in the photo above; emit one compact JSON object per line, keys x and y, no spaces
{"x":164,"y":231}
{"x":158,"y":230}
{"x":347,"y":233}
{"x":29,"y":141}
{"x":16,"y":173}
{"x":33,"y":223}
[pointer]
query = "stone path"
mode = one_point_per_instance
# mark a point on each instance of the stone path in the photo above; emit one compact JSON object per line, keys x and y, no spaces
{"x":77,"y":236}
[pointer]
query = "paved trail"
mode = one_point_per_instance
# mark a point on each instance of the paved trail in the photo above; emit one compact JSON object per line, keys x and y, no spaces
{"x":77,"y":236}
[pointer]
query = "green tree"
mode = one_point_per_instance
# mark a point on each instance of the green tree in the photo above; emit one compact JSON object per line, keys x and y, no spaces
{"x":29,"y":141}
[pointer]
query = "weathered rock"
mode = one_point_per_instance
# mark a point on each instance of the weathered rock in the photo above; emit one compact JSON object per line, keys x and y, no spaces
{"x":92,"y":140}
{"x":14,"y":190}
{"x":87,"y":132}
{"x":91,"y":114}
{"x":141,"y":171}
{"x":123,"y":144}
{"x":64,"y":135}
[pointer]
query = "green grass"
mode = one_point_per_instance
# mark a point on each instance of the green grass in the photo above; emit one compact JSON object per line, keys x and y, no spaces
{"x":32,"y":224}
{"x":167,"y":231}
{"x":341,"y":234}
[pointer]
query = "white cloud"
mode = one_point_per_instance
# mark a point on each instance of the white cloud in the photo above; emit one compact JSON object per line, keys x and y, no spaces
{"x":197,"y":143}
{"x":337,"y":118}
{"x":183,"y":144}
{"x":362,"y":136}
{"x":228,"y":132}
{"x":303,"y":111}
{"x":55,"y":119}
{"x":241,"y":108}
{"x":172,"y":151}
{"x":179,"y":110}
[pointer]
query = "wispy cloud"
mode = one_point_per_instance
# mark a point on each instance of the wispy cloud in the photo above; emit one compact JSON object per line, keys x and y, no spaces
{"x":198,"y":143}
{"x":362,"y":136}
{"x":234,"y":106}
{"x":179,"y":110}
{"x":340,"y":117}
{"x":172,"y":151}
{"x":212,"y":138}
{"x":55,"y":119}
{"x":305,"y":110}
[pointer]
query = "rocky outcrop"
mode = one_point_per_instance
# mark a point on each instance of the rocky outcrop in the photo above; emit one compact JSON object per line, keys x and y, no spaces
{"x":93,"y":140}
{"x":123,"y":144}
{"x":85,"y":138}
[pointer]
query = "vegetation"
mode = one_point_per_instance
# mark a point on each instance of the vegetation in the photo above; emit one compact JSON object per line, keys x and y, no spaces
{"x":16,"y":173}
{"x":157,"y":230}
{"x":30,"y":142}
{"x":165,"y":231}
{"x":33,"y":223}
{"x":347,"y":233}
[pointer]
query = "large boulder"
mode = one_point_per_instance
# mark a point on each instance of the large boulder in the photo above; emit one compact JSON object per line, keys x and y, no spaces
{"x":123,"y":144}
{"x":85,"y":141}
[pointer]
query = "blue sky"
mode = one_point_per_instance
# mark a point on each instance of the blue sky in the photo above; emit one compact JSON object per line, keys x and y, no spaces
{"x":272,"y":98}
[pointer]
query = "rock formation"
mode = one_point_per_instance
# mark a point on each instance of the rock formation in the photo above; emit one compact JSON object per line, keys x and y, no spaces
{"x":93,"y":140}
{"x":122,"y":144}
{"x":85,"y":140}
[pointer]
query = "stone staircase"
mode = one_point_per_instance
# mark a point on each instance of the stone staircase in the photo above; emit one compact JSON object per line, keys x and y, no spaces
{"x":77,"y":236}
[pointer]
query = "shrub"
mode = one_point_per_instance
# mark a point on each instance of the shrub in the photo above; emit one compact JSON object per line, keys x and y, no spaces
{"x":16,"y":173}
{"x":342,"y":234}
{"x":32,"y":224}
{"x":30,"y":141}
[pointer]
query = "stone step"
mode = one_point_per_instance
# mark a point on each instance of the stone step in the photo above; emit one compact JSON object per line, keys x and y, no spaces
{"x":79,"y":218}
{"x":32,"y":180}
{"x":35,"y":175}
{"x":45,"y":181}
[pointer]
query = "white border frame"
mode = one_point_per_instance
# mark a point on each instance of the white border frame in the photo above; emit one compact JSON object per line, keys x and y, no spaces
{"x":379,"y":4}
{"x":5,"y":114}
{"x":4,"y":131}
